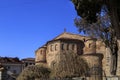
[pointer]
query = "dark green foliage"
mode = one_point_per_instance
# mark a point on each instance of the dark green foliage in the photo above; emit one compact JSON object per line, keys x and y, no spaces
{"x":88,"y":9}
{"x":34,"y":72}
{"x":93,"y":22}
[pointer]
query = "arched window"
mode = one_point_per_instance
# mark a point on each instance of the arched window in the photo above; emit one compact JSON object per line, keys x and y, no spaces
{"x":41,"y":52}
{"x":67,"y":46}
{"x":73,"y":46}
{"x":55,"y":47}
{"x":51,"y":48}
{"x":62,"y":46}
{"x":89,"y":45}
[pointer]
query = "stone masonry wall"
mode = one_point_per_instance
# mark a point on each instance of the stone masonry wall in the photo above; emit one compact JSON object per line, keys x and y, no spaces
{"x":118,"y":67}
{"x":90,"y":46}
{"x":53,"y":52}
{"x":54,"y":48}
{"x":40,"y":55}
{"x":95,"y":65}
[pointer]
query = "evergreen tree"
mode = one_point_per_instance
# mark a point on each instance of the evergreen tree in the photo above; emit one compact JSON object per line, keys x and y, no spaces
{"x":101,"y":19}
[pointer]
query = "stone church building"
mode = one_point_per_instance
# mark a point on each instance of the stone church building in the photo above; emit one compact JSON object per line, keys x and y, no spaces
{"x":91,"y":49}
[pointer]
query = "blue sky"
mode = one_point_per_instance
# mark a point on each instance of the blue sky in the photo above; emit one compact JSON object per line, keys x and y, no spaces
{"x":26,"y":25}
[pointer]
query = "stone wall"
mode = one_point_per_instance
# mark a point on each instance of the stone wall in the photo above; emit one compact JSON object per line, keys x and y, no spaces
{"x":107,"y":64}
{"x":90,"y":46}
{"x":53,"y":52}
{"x":100,"y":48}
{"x":118,"y":67}
{"x":58,"y":47}
{"x":95,"y":65}
{"x":40,"y":55}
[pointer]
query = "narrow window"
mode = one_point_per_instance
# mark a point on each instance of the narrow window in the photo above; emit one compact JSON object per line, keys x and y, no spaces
{"x":26,"y":64}
{"x":41,"y":52}
{"x":73,"y":47}
{"x":84,"y":39}
{"x":67,"y":46}
{"x":51,"y":48}
{"x":62,"y":46}
{"x":55,"y":47}
{"x":89,"y":45}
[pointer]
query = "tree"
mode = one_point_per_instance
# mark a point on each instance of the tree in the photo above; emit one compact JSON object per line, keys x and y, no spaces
{"x":34,"y":72}
{"x":100,"y":18}
{"x":70,"y":65}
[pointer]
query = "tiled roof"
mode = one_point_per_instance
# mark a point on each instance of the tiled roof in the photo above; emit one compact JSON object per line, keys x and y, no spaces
{"x":9,"y":60}
{"x":66,"y":35}
{"x":28,"y":59}
{"x":65,"y":39}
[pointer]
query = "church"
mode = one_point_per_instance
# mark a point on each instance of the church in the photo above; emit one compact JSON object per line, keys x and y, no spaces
{"x":91,"y":49}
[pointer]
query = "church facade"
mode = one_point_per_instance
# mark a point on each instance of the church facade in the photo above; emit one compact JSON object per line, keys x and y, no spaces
{"x":91,"y":49}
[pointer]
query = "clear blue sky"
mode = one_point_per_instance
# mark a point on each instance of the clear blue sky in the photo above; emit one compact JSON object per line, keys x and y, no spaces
{"x":26,"y":25}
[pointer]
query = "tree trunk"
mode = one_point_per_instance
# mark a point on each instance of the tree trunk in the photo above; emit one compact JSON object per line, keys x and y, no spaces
{"x":114,"y":18}
{"x":116,"y":27}
{"x":113,"y":68}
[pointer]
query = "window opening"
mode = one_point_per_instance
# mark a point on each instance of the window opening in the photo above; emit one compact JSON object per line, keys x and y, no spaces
{"x":51,"y":48}
{"x":55,"y":47}
{"x":67,"y":46}
{"x":73,"y":47}
{"x":62,"y":46}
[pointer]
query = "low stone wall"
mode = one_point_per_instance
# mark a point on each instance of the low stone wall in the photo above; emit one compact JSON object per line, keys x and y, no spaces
{"x":111,"y":78}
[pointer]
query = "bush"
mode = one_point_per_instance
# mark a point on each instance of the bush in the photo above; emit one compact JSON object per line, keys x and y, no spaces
{"x":34,"y":72}
{"x":70,"y":65}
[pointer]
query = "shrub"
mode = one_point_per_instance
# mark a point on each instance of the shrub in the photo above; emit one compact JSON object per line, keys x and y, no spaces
{"x":34,"y":72}
{"x":70,"y":65}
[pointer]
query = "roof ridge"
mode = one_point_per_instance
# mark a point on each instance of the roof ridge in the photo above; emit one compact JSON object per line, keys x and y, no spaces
{"x":73,"y":34}
{"x":76,"y":34}
{"x":69,"y":34}
{"x":58,"y":36}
